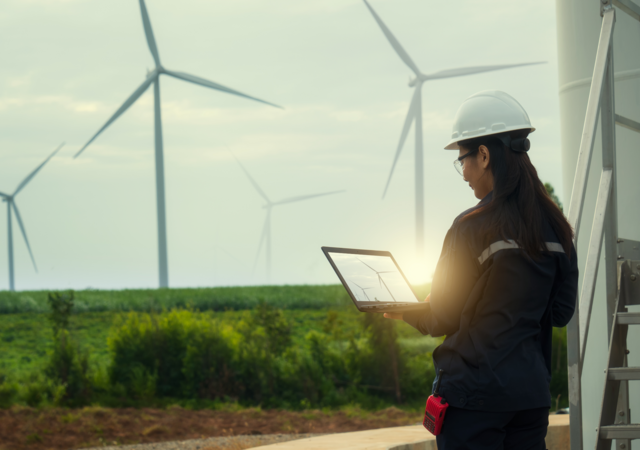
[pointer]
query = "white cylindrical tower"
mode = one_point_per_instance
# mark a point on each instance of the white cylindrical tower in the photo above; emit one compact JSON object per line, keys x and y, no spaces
{"x":578,"y":24}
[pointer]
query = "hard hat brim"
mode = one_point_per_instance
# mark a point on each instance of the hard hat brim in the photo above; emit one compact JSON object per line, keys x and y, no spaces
{"x":453,"y":144}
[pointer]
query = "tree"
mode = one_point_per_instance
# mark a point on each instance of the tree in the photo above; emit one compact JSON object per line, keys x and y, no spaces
{"x":554,"y":197}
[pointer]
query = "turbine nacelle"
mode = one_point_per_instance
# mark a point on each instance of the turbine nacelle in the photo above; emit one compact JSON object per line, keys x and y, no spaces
{"x":155,"y":72}
{"x":413,"y":81}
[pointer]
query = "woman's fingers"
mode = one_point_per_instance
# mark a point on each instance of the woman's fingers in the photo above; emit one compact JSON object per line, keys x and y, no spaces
{"x":395,"y":316}
{"x":427,"y":299}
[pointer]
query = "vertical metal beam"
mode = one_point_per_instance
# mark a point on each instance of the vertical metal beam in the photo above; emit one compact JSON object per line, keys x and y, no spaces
{"x":608,"y":117}
{"x":593,"y":259}
{"x":590,"y":122}
{"x":574,"y":215}
{"x":419,"y":172}
{"x":12,"y":286}
{"x":163,"y":266}
{"x":608,"y":129}
{"x":575,"y":380}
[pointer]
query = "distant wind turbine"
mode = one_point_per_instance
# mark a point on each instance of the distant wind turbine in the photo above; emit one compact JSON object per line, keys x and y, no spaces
{"x":153,"y":77}
{"x":364,"y":290}
{"x":266,"y":229}
{"x":380,"y":279}
{"x":10,"y":199}
{"x":414,"y":115}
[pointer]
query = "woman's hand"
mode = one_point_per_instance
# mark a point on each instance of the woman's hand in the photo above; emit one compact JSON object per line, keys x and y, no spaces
{"x":396,"y":316}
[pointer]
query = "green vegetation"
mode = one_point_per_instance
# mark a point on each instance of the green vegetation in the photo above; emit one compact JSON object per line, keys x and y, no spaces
{"x":290,"y":357}
{"x":200,"y":299}
{"x":551,"y":191}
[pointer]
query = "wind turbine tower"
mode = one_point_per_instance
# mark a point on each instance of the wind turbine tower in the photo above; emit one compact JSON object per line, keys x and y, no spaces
{"x":10,"y":199}
{"x":269,"y":205}
{"x":414,"y":116}
{"x":153,"y":77}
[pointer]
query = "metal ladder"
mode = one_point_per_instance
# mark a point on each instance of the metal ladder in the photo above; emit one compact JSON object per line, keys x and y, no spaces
{"x":615,"y":414}
{"x":622,"y":256}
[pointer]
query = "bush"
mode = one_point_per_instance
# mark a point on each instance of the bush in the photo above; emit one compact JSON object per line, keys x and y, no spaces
{"x":209,"y":362}
{"x":417,"y":377}
{"x":559,"y":372}
{"x":376,"y":361}
{"x":149,"y":349}
{"x":314,"y":374}
{"x":60,"y":306}
{"x":38,"y":391}
{"x":8,"y":393}
{"x":183,"y":354}
{"x":69,"y":367}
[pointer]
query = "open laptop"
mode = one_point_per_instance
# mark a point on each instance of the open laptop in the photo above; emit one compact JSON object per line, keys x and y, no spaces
{"x":373,"y":279}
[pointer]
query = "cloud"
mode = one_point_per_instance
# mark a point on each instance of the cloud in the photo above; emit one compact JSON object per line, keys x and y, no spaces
{"x":64,"y":102}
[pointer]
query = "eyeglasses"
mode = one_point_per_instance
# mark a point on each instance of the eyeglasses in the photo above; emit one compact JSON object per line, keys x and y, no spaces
{"x":459,"y":163}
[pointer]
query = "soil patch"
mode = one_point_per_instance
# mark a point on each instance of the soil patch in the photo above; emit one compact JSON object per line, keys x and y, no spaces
{"x":214,"y":443}
{"x":59,"y":428}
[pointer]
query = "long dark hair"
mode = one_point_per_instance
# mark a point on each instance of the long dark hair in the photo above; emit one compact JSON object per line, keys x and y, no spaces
{"x":520,"y":205}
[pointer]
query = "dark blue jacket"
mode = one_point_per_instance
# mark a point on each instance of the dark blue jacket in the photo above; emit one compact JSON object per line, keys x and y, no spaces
{"x":497,"y":307}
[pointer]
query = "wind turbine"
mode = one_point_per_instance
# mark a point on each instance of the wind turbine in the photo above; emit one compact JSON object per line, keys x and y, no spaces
{"x":364,"y":290}
{"x":380,"y":279}
{"x":153,"y":77}
{"x":414,"y":115}
{"x":266,"y":228}
{"x":10,"y":199}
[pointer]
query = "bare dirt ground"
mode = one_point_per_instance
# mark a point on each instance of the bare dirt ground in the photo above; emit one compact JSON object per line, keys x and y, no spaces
{"x":57,"y":428}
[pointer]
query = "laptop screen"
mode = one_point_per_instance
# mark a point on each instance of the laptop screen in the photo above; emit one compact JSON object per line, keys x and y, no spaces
{"x":373,"y":278}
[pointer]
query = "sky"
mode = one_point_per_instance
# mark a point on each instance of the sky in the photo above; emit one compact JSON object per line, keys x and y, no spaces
{"x":91,"y":221}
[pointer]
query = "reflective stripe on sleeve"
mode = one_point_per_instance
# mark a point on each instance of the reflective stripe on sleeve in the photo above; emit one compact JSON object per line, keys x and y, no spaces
{"x":509,"y":245}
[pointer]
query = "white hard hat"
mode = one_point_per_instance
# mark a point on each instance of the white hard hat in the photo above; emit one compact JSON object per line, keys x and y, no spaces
{"x":485,"y":113}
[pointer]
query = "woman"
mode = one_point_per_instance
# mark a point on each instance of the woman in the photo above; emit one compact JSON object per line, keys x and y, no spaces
{"x":507,"y":275}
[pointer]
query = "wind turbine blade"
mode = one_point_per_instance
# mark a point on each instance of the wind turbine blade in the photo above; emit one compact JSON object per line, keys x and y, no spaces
{"x":24,"y":233}
{"x":305,"y":197}
{"x":404,"y":56}
{"x":253,"y":182}
{"x":148,"y":31}
{"x":367,"y":265}
{"x":262,"y":238}
{"x":128,"y":102}
{"x":462,"y":71}
{"x":2,"y":194}
{"x":216,"y":86}
{"x":37,"y":169}
{"x":411,"y":114}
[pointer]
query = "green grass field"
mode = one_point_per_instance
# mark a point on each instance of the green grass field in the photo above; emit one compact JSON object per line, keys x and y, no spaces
{"x":25,"y":331}
{"x":203,"y":299}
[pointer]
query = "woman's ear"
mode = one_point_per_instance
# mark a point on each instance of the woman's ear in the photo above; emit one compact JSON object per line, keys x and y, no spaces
{"x":484,"y":157}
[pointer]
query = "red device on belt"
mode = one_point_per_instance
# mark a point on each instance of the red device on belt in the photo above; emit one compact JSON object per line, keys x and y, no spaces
{"x":435,"y":409}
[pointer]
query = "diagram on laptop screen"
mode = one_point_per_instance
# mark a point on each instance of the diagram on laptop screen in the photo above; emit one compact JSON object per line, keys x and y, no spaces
{"x":373,"y":278}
